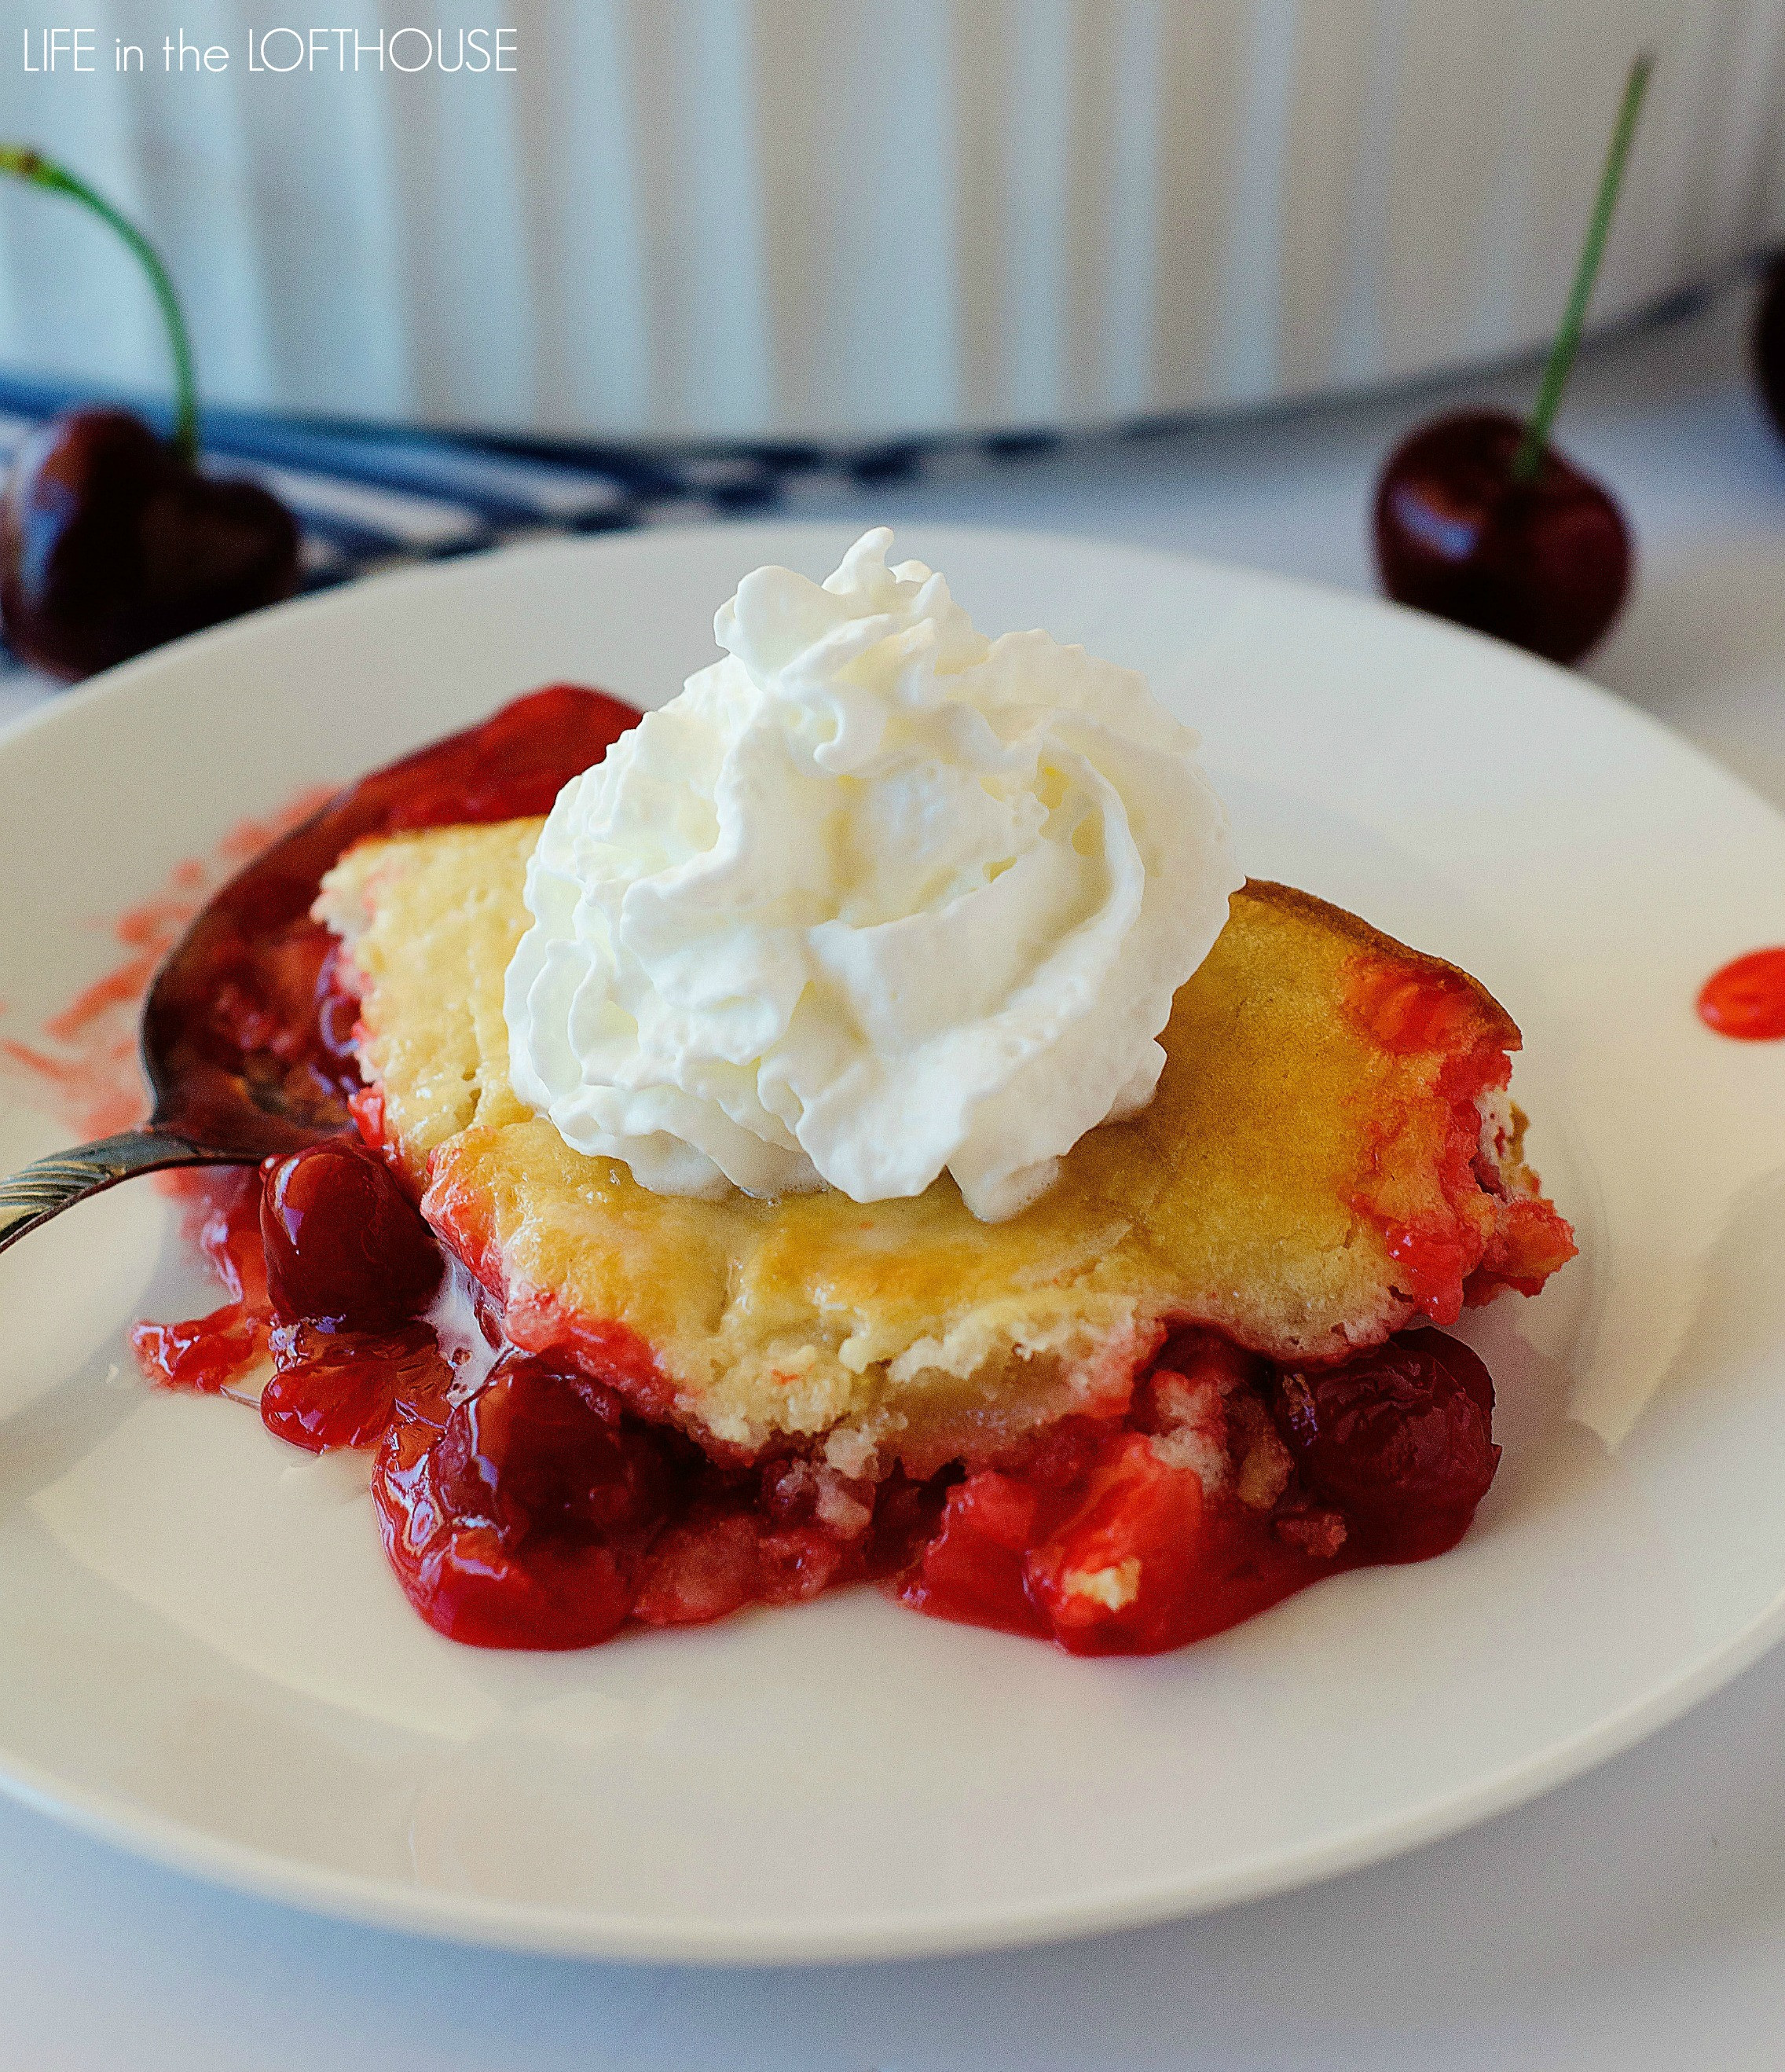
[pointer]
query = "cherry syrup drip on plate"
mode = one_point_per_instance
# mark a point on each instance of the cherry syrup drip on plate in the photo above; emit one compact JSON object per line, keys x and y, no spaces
{"x":83,"y":1064}
{"x":541,"y":1511}
{"x":1746,"y":998}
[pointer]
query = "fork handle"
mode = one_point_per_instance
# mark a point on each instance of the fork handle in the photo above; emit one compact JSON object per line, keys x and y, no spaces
{"x":40,"y":1191}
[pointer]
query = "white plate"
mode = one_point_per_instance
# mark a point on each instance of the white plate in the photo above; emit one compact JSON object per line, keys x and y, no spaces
{"x":203,"y":1657}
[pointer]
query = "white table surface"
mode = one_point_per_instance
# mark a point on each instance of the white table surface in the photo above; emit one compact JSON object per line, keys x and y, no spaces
{"x":1633,"y":1919}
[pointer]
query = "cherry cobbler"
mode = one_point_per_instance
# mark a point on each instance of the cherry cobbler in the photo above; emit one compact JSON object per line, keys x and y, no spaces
{"x":1197,"y":1372}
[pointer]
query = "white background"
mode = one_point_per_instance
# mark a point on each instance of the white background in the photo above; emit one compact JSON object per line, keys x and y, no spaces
{"x":1634,"y":1919}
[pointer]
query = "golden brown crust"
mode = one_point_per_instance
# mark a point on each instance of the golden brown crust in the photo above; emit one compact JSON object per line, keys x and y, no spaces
{"x":1300,"y":1181}
{"x":1305,"y":907}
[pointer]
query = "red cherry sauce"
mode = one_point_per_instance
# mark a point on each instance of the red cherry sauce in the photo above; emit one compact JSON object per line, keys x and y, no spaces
{"x":1228,"y":1486}
{"x":1746,"y":998}
{"x":542,"y":1513}
{"x":350,"y":1264}
{"x":542,"y":1510}
{"x":208,"y":1353}
{"x":259,"y":1004}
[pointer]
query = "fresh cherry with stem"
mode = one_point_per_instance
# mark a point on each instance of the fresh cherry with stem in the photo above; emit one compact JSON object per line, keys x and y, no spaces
{"x":1479,"y":519}
{"x":111,"y":539}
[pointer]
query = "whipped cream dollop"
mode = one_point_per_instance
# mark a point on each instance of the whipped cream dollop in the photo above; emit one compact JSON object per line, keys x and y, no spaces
{"x":873,"y":897}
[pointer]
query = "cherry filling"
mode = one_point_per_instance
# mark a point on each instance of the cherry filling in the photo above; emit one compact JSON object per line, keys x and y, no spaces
{"x":540,"y":1512}
{"x":1229,"y":1485}
{"x":208,"y":1353}
{"x":537,"y":1510}
{"x":342,"y":1388}
{"x":523,"y":1518}
{"x":345,"y":1248}
{"x":1400,"y":1441}
{"x":1441,"y":1260}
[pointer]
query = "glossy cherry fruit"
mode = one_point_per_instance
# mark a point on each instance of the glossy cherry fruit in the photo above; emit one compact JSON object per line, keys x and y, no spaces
{"x":1544,"y":563}
{"x":346,"y":1249}
{"x":112,"y":539}
{"x":1769,"y":343}
{"x":342,"y":1388}
{"x":1400,"y":1439}
{"x":1480,"y":519}
{"x":523,"y":1521}
{"x":111,"y":542}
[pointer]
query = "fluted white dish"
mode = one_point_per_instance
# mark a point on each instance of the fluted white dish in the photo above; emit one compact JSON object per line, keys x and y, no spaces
{"x":850,"y":220}
{"x":204,"y":1657}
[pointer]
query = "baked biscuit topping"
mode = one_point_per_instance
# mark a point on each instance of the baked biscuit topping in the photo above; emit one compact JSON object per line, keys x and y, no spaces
{"x":1312,"y":1175}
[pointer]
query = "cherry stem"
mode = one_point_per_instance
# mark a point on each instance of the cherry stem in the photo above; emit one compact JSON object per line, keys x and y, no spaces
{"x":23,"y":164}
{"x":1529,"y":456}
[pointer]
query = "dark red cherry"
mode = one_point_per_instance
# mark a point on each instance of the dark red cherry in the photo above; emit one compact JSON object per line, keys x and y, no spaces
{"x":345,"y":1246}
{"x":1479,"y":519}
{"x":539,"y":1450}
{"x":342,"y":1388}
{"x":1400,"y":1440}
{"x":524,"y":1521}
{"x":1544,"y":563}
{"x":112,"y":542}
{"x":111,"y":539}
{"x":1769,"y":343}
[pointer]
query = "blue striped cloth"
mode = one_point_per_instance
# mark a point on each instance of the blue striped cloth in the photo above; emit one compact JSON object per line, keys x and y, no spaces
{"x":368,"y":497}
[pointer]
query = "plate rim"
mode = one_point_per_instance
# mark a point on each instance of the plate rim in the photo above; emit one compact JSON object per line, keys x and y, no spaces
{"x":475,"y":1922}
{"x":121,"y":678}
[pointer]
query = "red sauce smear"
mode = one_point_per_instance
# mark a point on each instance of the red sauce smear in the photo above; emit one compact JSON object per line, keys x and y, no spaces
{"x":542,"y":1510}
{"x":1746,"y":998}
{"x":84,"y":1063}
